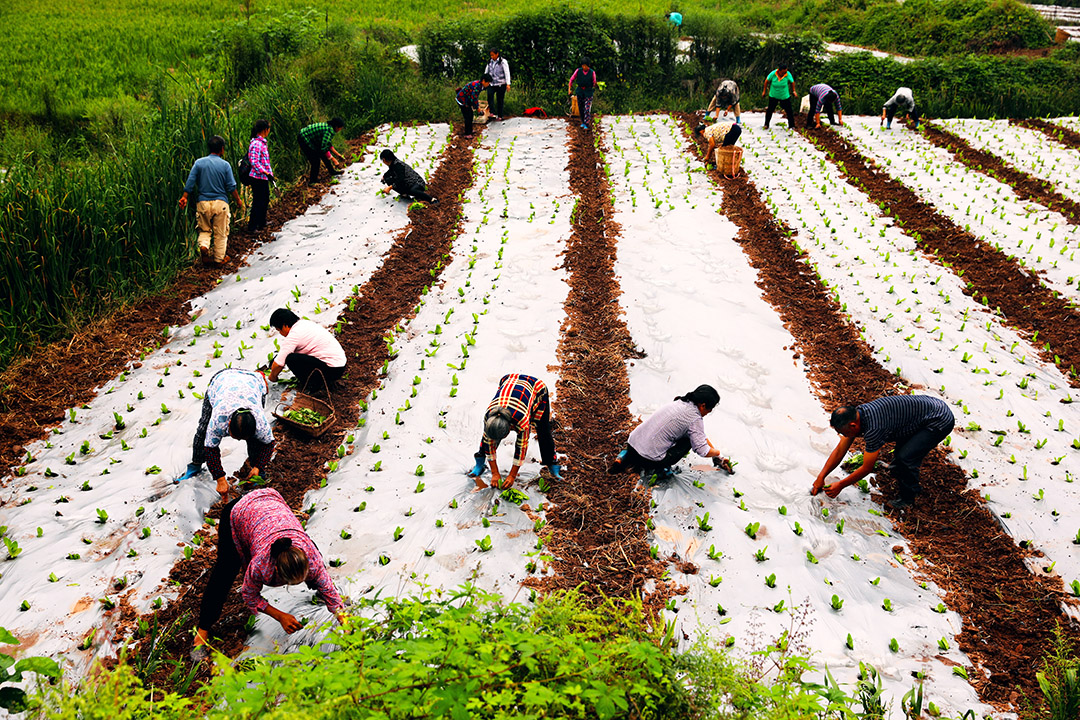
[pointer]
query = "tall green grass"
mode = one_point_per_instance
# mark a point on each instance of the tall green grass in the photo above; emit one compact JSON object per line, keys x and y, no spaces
{"x":80,"y":238}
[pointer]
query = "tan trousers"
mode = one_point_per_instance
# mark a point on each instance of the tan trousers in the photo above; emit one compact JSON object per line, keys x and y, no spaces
{"x":213,"y":220}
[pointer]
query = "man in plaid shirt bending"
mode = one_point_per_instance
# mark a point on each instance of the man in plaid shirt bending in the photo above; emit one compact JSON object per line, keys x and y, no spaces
{"x":521,"y":401}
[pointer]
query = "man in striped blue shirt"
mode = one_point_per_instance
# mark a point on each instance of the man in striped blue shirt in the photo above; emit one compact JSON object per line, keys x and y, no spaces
{"x":916,"y":423}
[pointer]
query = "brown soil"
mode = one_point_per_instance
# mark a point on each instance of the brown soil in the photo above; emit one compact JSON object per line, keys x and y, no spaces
{"x":1026,"y":304}
{"x":36,"y":391}
{"x":1027,"y":187}
{"x":389,"y":297}
{"x":598,"y":521}
{"x":1008,"y":613}
{"x":1065,"y":136}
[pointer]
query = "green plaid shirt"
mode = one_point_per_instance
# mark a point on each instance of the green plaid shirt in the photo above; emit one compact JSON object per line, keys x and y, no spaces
{"x":319,"y":136}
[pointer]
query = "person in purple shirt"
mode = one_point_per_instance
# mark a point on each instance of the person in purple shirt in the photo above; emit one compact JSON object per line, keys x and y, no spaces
{"x":468,"y":99}
{"x":916,"y":423}
{"x":668,"y":435}
{"x":823,"y":97}
{"x":259,"y":535}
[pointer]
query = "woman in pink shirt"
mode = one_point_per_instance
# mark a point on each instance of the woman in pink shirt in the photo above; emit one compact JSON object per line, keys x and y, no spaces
{"x":260,"y":535}
{"x":307,"y":347}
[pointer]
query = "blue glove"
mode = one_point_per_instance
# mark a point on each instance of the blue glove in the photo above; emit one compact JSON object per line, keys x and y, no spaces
{"x":479,"y":468}
{"x":193,"y":469}
{"x":556,"y":471}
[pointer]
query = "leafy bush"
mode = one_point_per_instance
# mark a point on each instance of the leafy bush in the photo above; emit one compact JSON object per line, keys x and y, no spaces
{"x":14,"y":699}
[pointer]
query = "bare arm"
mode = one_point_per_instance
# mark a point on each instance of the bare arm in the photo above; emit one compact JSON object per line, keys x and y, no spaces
{"x":869,"y":459}
{"x":835,"y":458}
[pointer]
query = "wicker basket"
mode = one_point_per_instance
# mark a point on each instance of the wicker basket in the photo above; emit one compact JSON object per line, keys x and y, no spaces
{"x":303,"y":401}
{"x":729,"y":160}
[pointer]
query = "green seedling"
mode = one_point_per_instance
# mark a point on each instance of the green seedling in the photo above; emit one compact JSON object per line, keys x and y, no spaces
{"x":894,"y":646}
{"x":798,"y":529}
{"x":484,"y":544}
{"x":770,"y":580}
{"x":103,"y":517}
{"x":837,"y":603}
{"x":751,"y":530}
{"x":715,"y":554}
{"x":703,"y":523}
{"x":850,"y":643}
{"x":398,"y":532}
{"x":715,"y":580}
{"x":810,"y":558}
{"x":943,"y":644}
{"x":345,"y":534}
{"x":759,"y":555}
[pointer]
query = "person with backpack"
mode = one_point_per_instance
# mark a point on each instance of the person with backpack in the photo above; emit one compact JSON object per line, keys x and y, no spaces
{"x":823,"y":97}
{"x":212,"y":177}
{"x":317,"y":145}
{"x":780,"y":87}
{"x":403,"y":180}
{"x":468,"y":99}
{"x":499,"y":70}
{"x":259,"y":175}
{"x":665,"y":438}
{"x":726,"y":97}
{"x":586,"y":86}
{"x":259,"y":535}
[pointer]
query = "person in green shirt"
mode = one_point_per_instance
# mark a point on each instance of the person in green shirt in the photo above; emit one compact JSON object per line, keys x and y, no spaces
{"x":317,"y":144}
{"x":780,"y":88}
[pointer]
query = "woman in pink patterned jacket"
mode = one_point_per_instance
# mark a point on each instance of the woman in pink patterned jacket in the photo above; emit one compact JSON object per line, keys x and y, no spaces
{"x":259,"y":534}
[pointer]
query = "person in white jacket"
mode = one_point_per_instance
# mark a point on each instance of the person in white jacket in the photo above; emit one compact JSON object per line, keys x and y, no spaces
{"x":499,"y":70}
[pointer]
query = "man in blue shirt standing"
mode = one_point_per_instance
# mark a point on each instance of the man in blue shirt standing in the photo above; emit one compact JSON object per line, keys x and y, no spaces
{"x":212,"y":176}
{"x":916,"y":423}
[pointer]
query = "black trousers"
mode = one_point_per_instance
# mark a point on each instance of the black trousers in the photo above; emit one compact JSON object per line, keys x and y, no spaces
{"x":732,"y":136}
{"x":908,"y":457}
{"x":786,"y":104}
{"x":675,"y":453}
{"x":226,"y":568}
{"x":495,"y":94}
{"x":826,"y":107}
{"x":302,"y":366}
{"x":260,"y":201}
{"x":413,"y":191}
{"x":466,"y":117}
{"x":314,"y":157}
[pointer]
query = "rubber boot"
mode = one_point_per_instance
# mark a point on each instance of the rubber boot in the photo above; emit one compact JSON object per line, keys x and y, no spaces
{"x":193,"y":469}
{"x":556,"y":471}
{"x":478,"y":469}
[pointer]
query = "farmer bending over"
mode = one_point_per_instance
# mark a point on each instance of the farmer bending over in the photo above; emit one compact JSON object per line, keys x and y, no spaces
{"x":726,"y":99}
{"x":233,"y":406}
{"x":726,"y":132}
{"x":902,"y":101}
{"x":823,"y":97}
{"x":259,"y":534}
{"x":916,"y":423}
{"x":520,"y":401}
{"x":665,"y":438}
{"x":308,"y":347}
{"x":403,"y":180}
{"x":316,"y":143}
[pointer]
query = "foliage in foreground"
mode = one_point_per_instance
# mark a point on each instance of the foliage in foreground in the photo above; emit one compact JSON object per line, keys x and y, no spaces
{"x":471,"y":656}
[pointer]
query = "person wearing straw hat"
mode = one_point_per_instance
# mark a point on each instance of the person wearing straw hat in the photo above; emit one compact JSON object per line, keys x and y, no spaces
{"x":307,"y":347}
{"x":232,"y":407}
{"x":260,"y":535}
{"x":521,"y":401}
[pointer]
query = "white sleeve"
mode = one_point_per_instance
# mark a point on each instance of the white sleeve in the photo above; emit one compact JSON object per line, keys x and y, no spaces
{"x":506,"y":70}
{"x":288,"y":344}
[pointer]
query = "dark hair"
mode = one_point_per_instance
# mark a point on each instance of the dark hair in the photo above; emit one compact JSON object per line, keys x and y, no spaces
{"x":337,"y":123}
{"x":282,"y":317}
{"x":586,"y":61}
{"x":290,"y":562}
{"x":782,"y":66}
{"x":497,"y":424}
{"x":260,"y":126}
{"x":387,"y":156}
{"x":843,"y":416}
{"x":486,"y":77}
{"x":242,"y":424}
{"x":702,"y":394}
{"x":700,"y":128}
{"x":216,"y":144}
{"x":494,"y":50}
